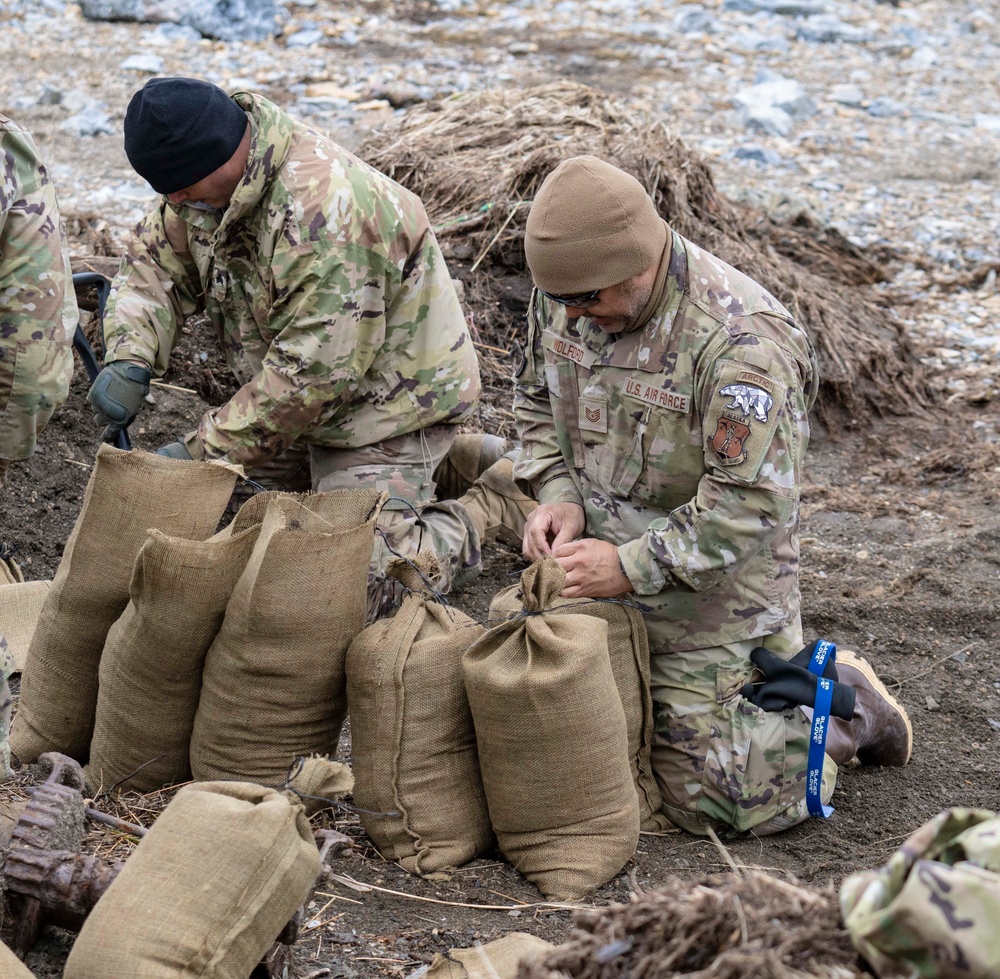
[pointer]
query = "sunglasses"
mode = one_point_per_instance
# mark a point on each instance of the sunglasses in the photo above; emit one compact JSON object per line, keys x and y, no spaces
{"x":581,"y":300}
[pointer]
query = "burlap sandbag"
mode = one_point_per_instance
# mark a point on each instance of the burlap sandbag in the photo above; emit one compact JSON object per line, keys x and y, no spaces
{"x":150,"y":673}
{"x":273,"y":685}
{"x":207,"y":891}
{"x":553,"y":743}
{"x":412,"y":739}
{"x":128,"y":493}
{"x":628,"y":647}
{"x":498,"y":959}
{"x":20,"y":607}
{"x":11,"y":967}
{"x":319,"y":782}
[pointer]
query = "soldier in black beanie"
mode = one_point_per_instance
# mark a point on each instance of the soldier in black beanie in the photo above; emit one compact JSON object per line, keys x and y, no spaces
{"x":178,"y":131}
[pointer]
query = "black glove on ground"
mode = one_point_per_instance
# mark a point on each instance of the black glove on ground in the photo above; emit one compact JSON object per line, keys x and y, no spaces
{"x":789,"y":683}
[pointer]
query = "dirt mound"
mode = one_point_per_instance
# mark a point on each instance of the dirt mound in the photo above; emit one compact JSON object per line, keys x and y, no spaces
{"x":477,"y":161}
{"x":720,"y":927}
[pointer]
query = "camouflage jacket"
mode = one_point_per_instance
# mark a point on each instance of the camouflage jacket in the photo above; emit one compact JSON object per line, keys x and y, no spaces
{"x":327,"y":290}
{"x":38,"y":312}
{"x":683,"y":441}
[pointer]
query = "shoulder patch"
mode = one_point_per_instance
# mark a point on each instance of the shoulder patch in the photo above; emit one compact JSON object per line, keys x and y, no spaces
{"x":741,"y":421}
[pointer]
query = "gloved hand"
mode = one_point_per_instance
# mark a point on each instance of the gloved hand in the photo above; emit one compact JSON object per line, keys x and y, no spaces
{"x":117,"y":394}
{"x":174,"y":450}
{"x":789,"y":683}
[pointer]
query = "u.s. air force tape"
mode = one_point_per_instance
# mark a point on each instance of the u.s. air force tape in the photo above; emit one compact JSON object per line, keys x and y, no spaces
{"x":823,"y":651}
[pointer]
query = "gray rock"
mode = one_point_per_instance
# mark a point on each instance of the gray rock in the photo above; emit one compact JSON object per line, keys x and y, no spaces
{"x":755,"y":41}
{"x":791,"y":8}
{"x":91,"y":120}
{"x":175,"y":32}
{"x":304,"y":39}
{"x":226,"y":20}
{"x":988,"y":122}
{"x":693,"y":18}
{"x":768,"y":119}
{"x":148,"y":63}
{"x":847,"y":94}
{"x":829,"y":29}
{"x":50,"y":96}
{"x":757,"y":154}
{"x":884,"y":108}
{"x":777,"y":92}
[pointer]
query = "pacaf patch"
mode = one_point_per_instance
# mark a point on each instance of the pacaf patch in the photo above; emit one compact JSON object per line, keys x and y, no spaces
{"x":742,"y":419}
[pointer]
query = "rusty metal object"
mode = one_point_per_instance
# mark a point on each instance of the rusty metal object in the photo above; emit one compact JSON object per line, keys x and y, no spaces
{"x":53,"y":819}
{"x":66,"y":884}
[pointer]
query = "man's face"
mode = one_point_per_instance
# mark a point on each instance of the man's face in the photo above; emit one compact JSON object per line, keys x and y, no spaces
{"x":619,"y":307}
{"x":216,"y":190}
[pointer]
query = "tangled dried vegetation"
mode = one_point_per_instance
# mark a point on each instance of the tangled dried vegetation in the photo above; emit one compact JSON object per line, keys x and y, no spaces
{"x":477,"y":161}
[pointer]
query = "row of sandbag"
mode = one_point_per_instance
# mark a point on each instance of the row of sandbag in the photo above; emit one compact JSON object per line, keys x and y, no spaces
{"x":165,"y":654}
{"x":533,"y":733}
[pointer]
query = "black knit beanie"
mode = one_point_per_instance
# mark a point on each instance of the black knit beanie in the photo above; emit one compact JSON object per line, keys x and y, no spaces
{"x":179,"y":130}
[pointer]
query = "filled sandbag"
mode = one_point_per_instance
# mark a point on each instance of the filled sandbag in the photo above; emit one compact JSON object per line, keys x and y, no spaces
{"x":273,"y":683}
{"x":553,"y":742}
{"x":11,"y":967}
{"x":319,"y":782}
{"x":498,"y":959}
{"x":206,"y":892}
{"x":150,"y":672}
{"x":413,"y":743}
{"x":127,"y":494}
{"x":20,"y":607}
{"x":628,"y":648}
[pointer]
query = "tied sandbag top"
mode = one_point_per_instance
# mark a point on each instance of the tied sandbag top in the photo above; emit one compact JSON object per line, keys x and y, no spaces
{"x":541,"y":584}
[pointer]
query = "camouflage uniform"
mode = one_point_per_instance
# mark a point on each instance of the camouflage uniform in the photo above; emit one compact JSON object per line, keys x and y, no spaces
{"x":683,"y":440}
{"x":38,"y":311}
{"x":38,"y":315}
{"x":932,"y":910}
{"x":332,"y":302}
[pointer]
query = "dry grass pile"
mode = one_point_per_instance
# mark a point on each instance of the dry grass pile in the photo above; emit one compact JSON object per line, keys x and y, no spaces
{"x":477,"y":161}
{"x":721,"y":927}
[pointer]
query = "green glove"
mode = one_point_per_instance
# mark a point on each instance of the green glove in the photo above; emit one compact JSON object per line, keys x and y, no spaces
{"x":117,"y":394}
{"x":174,"y":450}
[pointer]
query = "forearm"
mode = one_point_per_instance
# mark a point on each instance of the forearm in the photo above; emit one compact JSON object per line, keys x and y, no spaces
{"x":155,"y":289}
{"x":704,"y":540}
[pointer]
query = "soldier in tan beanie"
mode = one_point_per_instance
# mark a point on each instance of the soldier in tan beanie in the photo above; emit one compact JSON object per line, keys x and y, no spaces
{"x":663,"y":412}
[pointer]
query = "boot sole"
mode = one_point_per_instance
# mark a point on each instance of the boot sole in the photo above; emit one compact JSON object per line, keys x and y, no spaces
{"x":847,"y":658}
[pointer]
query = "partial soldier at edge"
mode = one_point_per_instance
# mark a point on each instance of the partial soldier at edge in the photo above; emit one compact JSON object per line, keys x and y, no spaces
{"x":38,"y":314}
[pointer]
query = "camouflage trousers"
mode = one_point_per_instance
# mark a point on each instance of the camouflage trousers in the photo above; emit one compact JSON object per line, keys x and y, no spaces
{"x":412,"y":521}
{"x":35,"y":373}
{"x":720,"y":761}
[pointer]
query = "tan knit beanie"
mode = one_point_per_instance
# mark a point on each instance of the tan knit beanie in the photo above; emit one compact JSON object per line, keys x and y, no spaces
{"x":591,"y":226}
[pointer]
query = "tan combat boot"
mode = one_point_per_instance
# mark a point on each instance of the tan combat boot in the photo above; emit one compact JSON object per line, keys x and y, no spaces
{"x":470,"y":455}
{"x":496,"y":506}
{"x":880,"y":732}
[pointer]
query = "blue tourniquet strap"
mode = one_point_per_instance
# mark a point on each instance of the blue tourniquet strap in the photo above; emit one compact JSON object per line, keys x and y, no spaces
{"x":823,"y":652}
